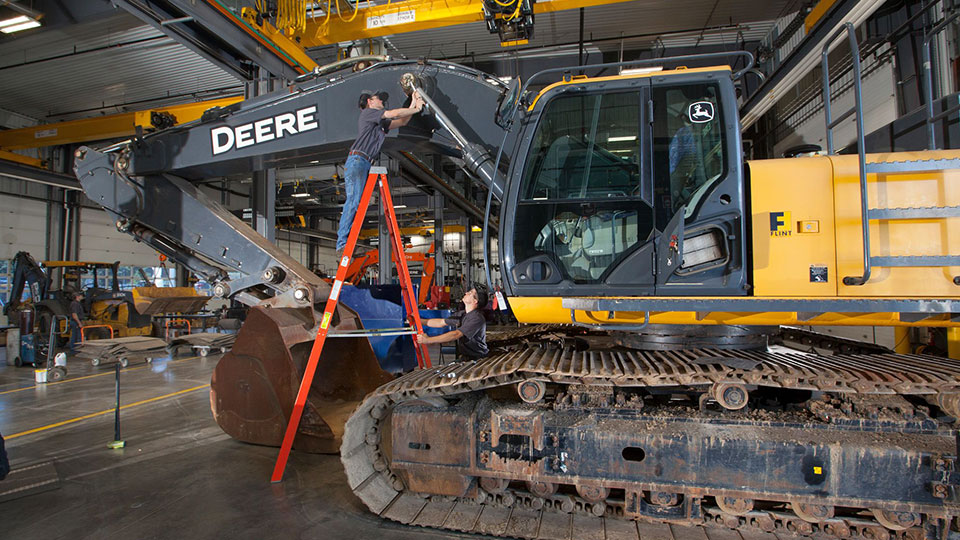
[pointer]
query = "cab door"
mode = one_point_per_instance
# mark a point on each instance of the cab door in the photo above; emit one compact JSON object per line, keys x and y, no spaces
{"x":698,"y":185}
{"x":579,"y":217}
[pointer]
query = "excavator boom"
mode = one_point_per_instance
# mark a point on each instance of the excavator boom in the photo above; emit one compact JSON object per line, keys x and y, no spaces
{"x":147,"y":184}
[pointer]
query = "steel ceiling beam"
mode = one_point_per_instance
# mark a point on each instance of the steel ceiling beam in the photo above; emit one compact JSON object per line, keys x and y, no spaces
{"x":40,"y":176}
{"x":213,"y":31}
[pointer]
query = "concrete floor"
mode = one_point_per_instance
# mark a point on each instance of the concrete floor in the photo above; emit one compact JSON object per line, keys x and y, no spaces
{"x":179,"y":476}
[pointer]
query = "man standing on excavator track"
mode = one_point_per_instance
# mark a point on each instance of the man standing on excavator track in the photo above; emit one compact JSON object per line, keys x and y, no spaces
{"x":372,"y":127}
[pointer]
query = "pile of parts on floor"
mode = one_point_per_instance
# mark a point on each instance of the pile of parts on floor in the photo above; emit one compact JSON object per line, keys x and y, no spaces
{"x":122,"y":350}
{"x":204,"y":343}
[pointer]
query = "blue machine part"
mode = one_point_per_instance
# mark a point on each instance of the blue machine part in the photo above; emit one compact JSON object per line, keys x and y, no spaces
{"x":380,"y":306}
{"x":28,"y":349}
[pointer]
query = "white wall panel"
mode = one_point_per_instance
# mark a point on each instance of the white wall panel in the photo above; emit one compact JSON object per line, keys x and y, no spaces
{"x":879,"y":110}
{"x":100,"y":241}
{"x":23,"y":227}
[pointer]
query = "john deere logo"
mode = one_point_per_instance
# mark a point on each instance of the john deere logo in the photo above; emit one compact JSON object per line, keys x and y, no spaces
{"x":780,"y":224}
{"x":700,"y":112}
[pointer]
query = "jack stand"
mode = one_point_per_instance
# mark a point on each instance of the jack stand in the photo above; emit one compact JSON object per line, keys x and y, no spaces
{"x":117,"y":441}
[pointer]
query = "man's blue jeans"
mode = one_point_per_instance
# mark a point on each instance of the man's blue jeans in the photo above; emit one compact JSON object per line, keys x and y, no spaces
{"x":354,"y":179}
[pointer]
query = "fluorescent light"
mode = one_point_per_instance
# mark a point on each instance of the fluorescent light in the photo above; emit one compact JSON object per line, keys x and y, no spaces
{"x":301,"y":194}
{"x":315,"y":161}
{"x":641,"y":71}
{"x":399,"y":206}
{"x":18,"y":27}
{"x":14,"y":20}
{"x":622,"y":139}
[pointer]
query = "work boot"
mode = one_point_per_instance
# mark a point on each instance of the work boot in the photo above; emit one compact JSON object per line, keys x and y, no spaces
{"x":339,"y":256}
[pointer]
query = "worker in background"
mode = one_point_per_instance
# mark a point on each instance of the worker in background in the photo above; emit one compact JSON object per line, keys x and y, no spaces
{"x":372,"y":127}
{"x":76,"y":321}
{"x":471,"y":332}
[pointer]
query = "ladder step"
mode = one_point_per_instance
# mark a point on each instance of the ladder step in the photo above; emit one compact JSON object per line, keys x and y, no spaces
{"x":928,"y":212}
{"x":912,"y":166}
{"x":373,"y":332}
{"x":917,"y":260}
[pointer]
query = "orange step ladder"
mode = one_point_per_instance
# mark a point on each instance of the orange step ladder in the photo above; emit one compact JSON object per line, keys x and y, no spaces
{"x":378,"y":175}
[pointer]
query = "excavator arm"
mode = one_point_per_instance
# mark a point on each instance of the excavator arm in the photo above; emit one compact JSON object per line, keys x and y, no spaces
{"x":147,"y":184}
{"x":26,"y":272}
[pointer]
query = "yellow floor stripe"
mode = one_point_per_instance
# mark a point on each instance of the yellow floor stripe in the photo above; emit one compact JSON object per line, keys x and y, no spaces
{"x":111,"y":372}
{"x":101,"y":413}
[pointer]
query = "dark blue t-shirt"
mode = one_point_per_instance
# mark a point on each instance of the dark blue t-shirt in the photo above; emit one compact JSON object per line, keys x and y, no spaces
{"x":371,"y":131}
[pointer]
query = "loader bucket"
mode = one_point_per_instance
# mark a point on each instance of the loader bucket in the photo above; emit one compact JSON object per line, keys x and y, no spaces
{"x":154,"y":300}
{"x":254,"y":386}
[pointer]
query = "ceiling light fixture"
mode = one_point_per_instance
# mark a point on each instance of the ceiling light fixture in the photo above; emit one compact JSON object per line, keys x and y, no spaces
{"x":18,"y":23}
{"x":399,"y":206}
{"x":622,"y":139}
{"x":300,"y":194}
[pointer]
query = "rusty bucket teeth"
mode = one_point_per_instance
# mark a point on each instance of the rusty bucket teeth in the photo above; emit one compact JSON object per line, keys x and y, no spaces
{"x":254,"y":386}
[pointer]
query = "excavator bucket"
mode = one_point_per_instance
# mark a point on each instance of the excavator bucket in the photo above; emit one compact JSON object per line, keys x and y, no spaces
{"x":154,"y":300}
{"x":254,"y":386}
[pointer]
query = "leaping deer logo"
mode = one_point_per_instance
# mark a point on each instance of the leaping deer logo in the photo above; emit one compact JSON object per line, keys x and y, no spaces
{"x":700,"y":112}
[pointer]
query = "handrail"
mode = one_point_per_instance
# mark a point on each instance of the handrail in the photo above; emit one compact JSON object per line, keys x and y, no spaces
{"x":88,"y":326}
{"x":166,"y":329}
{"x":857,"y":110}
{"x":647,"y":62}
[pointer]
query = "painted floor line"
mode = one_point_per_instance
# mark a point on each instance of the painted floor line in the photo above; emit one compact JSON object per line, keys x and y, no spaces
{"x":101,"y":413}
{"x":111,"y":372}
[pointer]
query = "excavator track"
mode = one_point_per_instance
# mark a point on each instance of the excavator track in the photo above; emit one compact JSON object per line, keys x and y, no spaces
{"x":515,"y":496}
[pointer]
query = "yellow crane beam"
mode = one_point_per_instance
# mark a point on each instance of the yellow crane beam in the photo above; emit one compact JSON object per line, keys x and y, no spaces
{"x":102,"y":127}
{"x":17,"y":158}
{"x":411,"y":16}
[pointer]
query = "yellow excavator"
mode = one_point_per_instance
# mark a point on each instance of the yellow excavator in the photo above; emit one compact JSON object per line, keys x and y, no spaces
{"x":110,"y":311}
{"x":652,"y":263}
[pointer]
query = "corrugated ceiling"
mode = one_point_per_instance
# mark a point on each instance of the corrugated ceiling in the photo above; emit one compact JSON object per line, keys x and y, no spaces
{"x":62,"y":73}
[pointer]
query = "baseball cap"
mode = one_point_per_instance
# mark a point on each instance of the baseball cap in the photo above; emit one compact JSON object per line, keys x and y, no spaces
{"x":367,"y":94}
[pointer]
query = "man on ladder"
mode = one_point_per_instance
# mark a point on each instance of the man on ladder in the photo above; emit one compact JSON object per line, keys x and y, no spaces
{"x":372,"y":129}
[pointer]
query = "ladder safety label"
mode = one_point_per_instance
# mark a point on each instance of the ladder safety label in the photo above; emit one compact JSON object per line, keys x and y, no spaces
{"x":345,"y":261}
{"x":335,"y":292}
{"x":501,"y":301}
{"x":326,"y":320}
{"x":390,"y":19}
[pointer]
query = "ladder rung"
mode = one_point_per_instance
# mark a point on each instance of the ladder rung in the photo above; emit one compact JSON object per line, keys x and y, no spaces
{"x":912,"y":166}
{"x":928,"y":212}
{"x":373,"y":332}
{"x":917,"y":260}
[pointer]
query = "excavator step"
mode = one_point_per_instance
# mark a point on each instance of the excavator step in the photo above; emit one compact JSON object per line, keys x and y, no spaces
{"x":925,"y":212}
{"x":924,"y":165}
{"x":916,"y":260}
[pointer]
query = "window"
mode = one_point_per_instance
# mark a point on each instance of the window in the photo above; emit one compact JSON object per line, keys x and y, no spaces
{"x":580,"y":193}
{"x":688,"y":145}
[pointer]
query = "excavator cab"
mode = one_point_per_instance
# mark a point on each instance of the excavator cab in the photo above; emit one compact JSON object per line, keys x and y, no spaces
{"x":613,"y":176}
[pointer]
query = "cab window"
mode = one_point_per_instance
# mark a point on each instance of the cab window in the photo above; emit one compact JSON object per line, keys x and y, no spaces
{"x":689,"y":148}
{"x":580,"y":191}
